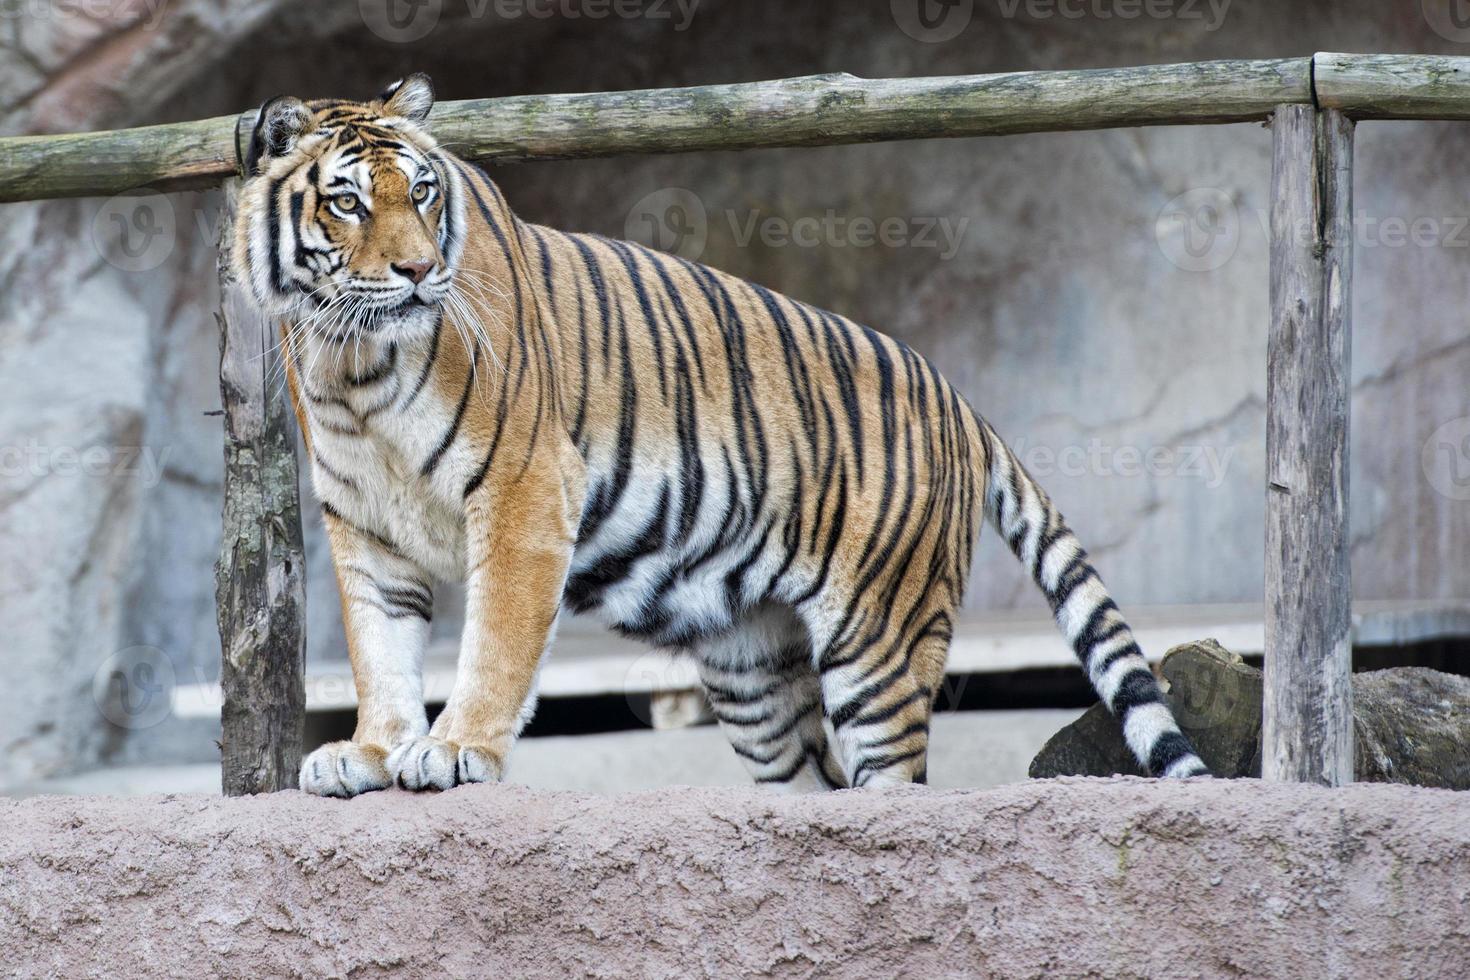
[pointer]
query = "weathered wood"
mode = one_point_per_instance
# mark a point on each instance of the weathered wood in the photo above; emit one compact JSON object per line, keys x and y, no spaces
{"x":819,"y":110}
{"x":171,"y":157}
{"x":259,"y":578}
{"x":1307,"y":718}
{"x":1394,"y":86}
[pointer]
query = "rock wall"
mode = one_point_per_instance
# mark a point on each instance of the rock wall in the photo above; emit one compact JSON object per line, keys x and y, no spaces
{"x":1062,"y":878}
{"x":1101,"y":296}
{"x":109,"y":469}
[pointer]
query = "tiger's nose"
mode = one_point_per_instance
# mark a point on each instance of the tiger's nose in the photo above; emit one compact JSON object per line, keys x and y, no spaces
{"x":413,"y":270}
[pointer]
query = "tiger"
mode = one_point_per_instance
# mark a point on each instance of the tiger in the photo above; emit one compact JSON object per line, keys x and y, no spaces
{"x":571,"y":423}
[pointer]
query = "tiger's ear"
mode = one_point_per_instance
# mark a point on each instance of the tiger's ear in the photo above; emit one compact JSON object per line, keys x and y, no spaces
{"x":410,"y":97}
{"x":278,"y":125}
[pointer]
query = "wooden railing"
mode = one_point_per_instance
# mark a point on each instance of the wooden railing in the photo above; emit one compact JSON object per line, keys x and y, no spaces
{"x":1313,"y":104}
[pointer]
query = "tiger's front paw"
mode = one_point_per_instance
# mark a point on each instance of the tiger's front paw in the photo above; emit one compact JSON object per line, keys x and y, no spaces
{"x":433,"y":763}
{"x":479,"y":764}
{"x":345,"y":769}
{"x":424,"y":763}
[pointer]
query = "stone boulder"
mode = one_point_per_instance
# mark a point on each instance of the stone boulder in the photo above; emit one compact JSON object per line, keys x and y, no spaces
{"x":1412,"y":724}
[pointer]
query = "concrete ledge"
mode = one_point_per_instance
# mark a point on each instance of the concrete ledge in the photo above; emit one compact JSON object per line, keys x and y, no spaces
{"x":1069,"y":877}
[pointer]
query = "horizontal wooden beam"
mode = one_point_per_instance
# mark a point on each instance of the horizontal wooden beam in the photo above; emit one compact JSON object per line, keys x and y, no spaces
{"x":819,"y":110}
{"x":822,"y":110}
{"x":1394,"y":86}
{"x":170,"y":157}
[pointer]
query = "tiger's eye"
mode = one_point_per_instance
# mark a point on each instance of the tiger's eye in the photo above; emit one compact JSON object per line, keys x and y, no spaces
{"x":347,"y":203}
{"x":420,"y":193}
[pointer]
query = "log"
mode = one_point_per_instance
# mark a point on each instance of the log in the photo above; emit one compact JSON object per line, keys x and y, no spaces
{"x":1411,"y":724}
{"x":819,"y":110}
{"x":1307,"y":719}
{"x":170,"y":157}
{"x":823,"y":110}
{"x":260,"y":590}
{"x":1392,"y":86}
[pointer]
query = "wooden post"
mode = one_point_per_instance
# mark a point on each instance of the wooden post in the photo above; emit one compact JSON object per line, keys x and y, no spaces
{"x":1307,"y":726}
{"x":259,"y":580}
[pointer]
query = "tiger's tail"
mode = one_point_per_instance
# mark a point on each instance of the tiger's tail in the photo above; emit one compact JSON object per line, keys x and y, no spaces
{"x":1022,"y":513}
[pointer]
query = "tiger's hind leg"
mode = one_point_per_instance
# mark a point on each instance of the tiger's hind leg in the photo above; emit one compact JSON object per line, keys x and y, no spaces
{"x":763,"y":689}
{"x":879,"y":680}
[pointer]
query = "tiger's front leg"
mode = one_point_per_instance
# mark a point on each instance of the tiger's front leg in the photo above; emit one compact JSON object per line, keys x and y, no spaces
{"x":519,"y":535}
{"x":386,"y":606}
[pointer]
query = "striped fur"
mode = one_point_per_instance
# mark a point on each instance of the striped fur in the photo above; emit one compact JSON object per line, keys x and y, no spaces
{"x":567,"y":421}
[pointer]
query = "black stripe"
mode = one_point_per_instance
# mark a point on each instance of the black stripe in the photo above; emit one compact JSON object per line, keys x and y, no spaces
{"x":502,"y":412}
{"x":718,"y":692}
{"x":433,"y":356}
{"x":645,"y":307}
{"x":585,"y":589}
{"x":867,"y":694}
{"x":273,"y":227}
{"x":382,"y":541}
{"x":1077,"y":573}
{"x":1129,"y":649}
{"x":1168,"y":749}
{"x":605,"y":500}
{"x":917,"y":728}
{"x":879,"y":763}
{"x":333,"y":473}
{"x":414,"y":600}
{"x":763,"y":715}
{"x":884,"y":714}
{"x":1138,"y":688}
{"x":846,"y":390}
{"x":464,"y":399}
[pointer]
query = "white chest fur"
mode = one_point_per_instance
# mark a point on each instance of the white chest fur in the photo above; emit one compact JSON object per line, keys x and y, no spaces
{"x":373,"y":430}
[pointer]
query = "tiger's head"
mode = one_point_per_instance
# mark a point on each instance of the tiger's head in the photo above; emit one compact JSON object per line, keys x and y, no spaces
{"x":350,"y":216}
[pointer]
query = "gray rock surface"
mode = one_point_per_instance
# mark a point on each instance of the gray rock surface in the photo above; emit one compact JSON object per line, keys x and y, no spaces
{"x":1412,"y":724}
{"x":1065,"y":878}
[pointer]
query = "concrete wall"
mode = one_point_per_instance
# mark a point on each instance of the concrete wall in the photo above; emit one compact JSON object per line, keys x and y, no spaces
{"x":1064,"y":878}
{"x":1064,"y":304}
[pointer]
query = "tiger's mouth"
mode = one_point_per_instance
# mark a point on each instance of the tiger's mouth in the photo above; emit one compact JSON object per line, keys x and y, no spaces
{"x":403,"y":307}
{"x":359,"y":315}
{"x":396,"y":307}
{"x":403,"y":312}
